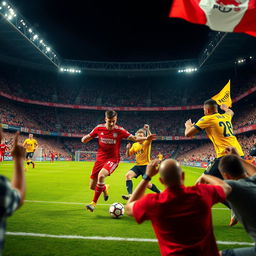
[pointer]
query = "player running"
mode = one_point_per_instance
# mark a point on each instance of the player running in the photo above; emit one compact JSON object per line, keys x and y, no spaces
{"x":142,"y":151}
{"x":31,"y":145}
{"x":219,"y":130}
{"x":109,"y":136}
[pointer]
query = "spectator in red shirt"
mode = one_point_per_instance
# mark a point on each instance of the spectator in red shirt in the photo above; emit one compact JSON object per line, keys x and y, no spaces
{"x":181,"y":216}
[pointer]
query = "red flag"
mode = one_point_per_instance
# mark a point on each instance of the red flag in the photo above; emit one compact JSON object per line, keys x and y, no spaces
{"x":219,"y":15}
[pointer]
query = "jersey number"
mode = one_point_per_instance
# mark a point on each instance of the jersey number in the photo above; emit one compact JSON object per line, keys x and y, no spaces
{"x":227,"y":126}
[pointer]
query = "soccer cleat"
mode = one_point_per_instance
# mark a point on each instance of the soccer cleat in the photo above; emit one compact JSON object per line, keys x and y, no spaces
{"x":106,"y":193}
{"x":233,"y":221}
{"x":91,"y":206}
{"x":126,"y":197}
{"x":33,"y":164}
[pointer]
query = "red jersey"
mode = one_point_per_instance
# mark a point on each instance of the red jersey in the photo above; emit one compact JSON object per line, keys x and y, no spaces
{"x":109,"y":142}
{"x":181,"y":218}
{"x":3,"y":148}
{"x":52,"y":155}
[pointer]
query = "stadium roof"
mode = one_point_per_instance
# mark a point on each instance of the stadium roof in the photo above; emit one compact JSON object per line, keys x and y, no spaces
{"x":104,"y":36}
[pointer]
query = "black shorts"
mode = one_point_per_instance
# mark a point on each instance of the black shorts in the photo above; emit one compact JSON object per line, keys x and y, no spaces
{"x":213,"y":168}
{"x":29,"y":155}
{"x":139,"y":170}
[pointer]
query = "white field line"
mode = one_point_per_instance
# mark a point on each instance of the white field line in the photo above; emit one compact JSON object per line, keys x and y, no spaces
{"x":77,"y":203}
{"x":108,"y":238}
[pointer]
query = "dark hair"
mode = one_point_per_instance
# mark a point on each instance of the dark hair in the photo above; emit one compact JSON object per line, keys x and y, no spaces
{"x":211,"y":103}
{"x":232,"y":165}
{"x":110,"y":114}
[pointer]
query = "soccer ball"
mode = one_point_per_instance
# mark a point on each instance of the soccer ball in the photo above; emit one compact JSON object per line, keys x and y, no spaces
{"x":116,"y":210}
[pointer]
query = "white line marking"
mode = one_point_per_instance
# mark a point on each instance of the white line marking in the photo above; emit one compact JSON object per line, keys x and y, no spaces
{"x":107,"y":238}
{"x":77,"y":203}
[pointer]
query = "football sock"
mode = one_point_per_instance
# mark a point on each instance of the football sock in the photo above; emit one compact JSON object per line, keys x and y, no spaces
{"x":98,"y":190}
{"x":154,"y":188}
{"x":129,"y":186}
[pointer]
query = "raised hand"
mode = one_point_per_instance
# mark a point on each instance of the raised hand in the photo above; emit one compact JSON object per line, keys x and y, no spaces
{"x":18,"y":151}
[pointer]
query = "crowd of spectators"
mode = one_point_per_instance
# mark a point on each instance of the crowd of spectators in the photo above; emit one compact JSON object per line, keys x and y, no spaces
{"x":168,"y":123}
{"x":204,"y":151}
{"x":120,"y":91}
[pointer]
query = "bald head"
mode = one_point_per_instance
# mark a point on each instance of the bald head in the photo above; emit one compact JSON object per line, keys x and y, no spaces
{"x":171,"y":173}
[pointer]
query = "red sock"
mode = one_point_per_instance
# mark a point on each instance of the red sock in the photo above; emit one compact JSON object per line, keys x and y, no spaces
{"x":98,"y":190}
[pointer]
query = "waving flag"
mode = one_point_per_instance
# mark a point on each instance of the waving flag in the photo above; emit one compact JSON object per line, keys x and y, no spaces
{"x":224,"y":97}
{"x":219,"y":15}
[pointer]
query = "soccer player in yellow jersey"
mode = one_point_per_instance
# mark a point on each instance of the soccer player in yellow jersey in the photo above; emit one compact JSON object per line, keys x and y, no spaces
{"x":219,"y":130}
{"x":160,"y":156}
{"x":142,"y":151}
{"x":30,"y":145}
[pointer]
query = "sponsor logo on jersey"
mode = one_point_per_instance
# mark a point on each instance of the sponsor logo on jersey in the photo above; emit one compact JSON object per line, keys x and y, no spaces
{"x":108,"y":141}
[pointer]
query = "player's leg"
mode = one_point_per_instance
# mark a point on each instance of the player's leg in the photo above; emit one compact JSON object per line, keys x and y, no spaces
{"x":98,"y":189}
{"x":93,"y":183}
{"x":213,"y":170}
{"x":142,"y":171}
{"x":129,"y":185}
{"x":31,"y":158}
{"x":153,"y":188}
{"x":27,"y":161}
{"x":108,"y":168}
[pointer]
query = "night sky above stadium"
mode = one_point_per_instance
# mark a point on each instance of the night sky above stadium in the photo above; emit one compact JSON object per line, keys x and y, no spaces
{"x":126,"y":30}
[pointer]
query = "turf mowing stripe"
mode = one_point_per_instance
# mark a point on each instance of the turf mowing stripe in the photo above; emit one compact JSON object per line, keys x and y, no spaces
{"x":75,"y":203}
{"x":53,"y":202}
{"x":108,"y":238}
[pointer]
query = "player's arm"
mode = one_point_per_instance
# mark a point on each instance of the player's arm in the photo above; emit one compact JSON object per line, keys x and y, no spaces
{"x":227,"y":110}
{"x":190,"y":129}
{"x":36,"y":146}
{"x":127,"y":152}
{"x":208,"y":179}
{"x":86,"y":138}
{"x":151,"y":171}
{"x":139,"y":139}
{"x":90,"y":136}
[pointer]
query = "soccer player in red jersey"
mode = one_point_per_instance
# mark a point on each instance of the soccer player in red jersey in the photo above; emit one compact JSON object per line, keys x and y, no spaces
{"x":109,"y":136}
{"x":3,"y":148}
{"x":52,"y":156}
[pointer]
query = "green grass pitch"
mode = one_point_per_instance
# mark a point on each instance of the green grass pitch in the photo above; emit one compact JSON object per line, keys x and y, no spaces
{"x":56,"y":195}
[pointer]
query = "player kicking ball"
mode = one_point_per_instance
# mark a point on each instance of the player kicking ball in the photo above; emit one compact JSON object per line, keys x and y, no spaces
{"x":142,"y":151}
{"x":109,"y":136}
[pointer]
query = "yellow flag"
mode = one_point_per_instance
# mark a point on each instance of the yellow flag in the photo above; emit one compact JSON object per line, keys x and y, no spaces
{"x":223,"y":97}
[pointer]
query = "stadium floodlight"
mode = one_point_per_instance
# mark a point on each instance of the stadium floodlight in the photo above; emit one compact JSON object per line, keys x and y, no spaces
{"x":30,"y":30}
{"x":187,"y":70}
{"x":70,"y":70}
{"x":48,"y":49}
{"x":4,"y":3}
{"x":35,"y":37}
{"x":240,"y":61}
